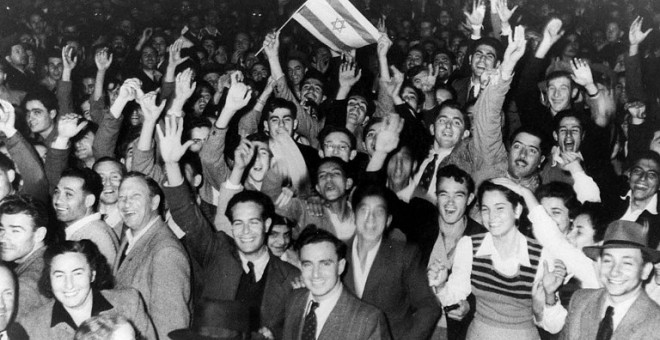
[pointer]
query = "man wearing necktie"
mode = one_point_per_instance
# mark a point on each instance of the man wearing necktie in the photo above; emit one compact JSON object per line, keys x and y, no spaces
{"x":621,"y":309}
{"x":325,"y":310}
{"x":9,"y":330}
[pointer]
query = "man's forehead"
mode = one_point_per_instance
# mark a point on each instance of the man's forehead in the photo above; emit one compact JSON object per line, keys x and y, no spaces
{"x":330,"y":167}
{"x":449,"y":182}
{"x":337,"y":136}
{"x":54,"y":60}
{"x":648,"y":164}
{"x":280,"y":112}
{"x":452,"y":113}
{"x":568,"y":122}
{"x":527,"y":139}
{"x":485,"y":49}
{"x":559,"y":81}
{"x":357,"y":98}
{"x":313,"y":82}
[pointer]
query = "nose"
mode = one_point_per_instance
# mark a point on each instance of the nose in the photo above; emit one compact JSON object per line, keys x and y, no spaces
{"x":68,"y":282}
{"x":246,"y":228}
{"x":315,"y":272}
{"x":616,"y":270}
{"x":523,"y":152}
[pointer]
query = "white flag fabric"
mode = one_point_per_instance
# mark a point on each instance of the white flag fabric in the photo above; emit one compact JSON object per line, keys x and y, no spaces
{"x":337,"y":23}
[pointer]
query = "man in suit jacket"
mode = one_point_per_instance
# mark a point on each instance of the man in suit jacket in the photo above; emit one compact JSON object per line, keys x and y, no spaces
{"x":625,"y":262}
{"x":386,"y":273}
{"x":151,"y":259}
{"x":336,"y":314}
{"x":241,"y":269}
{"x":487,"y":54}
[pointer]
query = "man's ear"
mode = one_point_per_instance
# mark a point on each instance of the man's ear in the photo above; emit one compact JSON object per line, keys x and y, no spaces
{"x":499,"y":62}
{"x":11,"y":175}
{"x":267,"y":224}
{"x":470,"y":59}
{"x":518,"y":210}
{"x":197,"y":180}
{"x":352,"y":155}
{"x":266,"y":126}
{"x":324,"y":98}
{"x":349,"y":184}
{"x":541,"y":162}
{"x":470,"y":199}
{"x":554,"y":135}
{"x":389,"y":221}
{"x":295,"y":125}
{"x":89,"y":200}
{"x":432,"y":129}
{"x":40,"y":234}
{"x":341,"y":265}
{"x":646,"y":270}
{"x":321,"y":152}
{"x":53,"y":114}
{"x":574,"y":93}
{"x":466,"y":134}
{"x":155,"y":202}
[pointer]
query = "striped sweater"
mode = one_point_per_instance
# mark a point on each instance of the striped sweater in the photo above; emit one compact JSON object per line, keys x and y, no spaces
{"x":503,"y":301}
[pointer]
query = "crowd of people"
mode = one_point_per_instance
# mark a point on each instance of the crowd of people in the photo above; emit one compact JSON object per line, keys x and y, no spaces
{"x":187,"y":170}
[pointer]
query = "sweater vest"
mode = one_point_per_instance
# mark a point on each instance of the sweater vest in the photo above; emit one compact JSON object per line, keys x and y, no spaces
{"x":503,"y":301}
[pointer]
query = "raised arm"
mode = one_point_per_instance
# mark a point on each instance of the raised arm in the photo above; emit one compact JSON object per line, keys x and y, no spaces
{"x":64,"y":85}
{"x":634,"y":86}
{"x":144,"y":158}
{"x":57,"y":158}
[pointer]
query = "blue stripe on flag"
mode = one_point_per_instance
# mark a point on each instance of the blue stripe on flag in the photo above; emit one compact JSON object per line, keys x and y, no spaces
{"x":322,"y":28}
{"x":338,"y":6}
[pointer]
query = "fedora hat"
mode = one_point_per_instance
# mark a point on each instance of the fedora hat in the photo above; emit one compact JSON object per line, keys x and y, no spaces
{"x":216,"y":319}
{"x":624,"y":234}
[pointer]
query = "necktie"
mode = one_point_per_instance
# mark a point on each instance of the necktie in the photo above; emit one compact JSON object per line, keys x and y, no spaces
{"x":253,"y":276}
{"x":606,"y":327}
{"x":309,"y":326}
{"x":473,"y":94}
{"x":122,"y":257}
{"x":427,"y":175}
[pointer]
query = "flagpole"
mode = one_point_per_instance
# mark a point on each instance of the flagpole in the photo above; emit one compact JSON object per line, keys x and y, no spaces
{"x":282,"y":27}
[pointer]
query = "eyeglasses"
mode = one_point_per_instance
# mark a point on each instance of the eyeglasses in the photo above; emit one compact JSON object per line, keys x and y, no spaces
{"x":639,"y":172}
{"x":335,"y":147}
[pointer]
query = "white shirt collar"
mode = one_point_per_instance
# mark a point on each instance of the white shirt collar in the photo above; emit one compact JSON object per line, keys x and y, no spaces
{"x":259,"y":264}
{"x":325,"y":307}
{"x":509,"y":266}
{"x":132,"y":239}
{"x":621,"y":308}
{"x":81,"y":223}
{"x":651,"y":207}
{"x":361,"y":274}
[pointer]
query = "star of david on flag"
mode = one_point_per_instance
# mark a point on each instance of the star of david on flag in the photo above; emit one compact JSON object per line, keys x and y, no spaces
{"x":337,"y":24}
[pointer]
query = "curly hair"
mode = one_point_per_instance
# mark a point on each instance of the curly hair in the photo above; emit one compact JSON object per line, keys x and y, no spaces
{"x":97,"y":262}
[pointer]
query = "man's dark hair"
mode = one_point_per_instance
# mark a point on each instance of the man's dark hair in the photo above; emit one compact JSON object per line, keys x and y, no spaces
{"x":492,"y":42}
{"x":152,"y":185}
{"x":646,"y":155}
{"x":97,"y":263}
{"x":279,"y":103}
{"x":420,"y":94}
{"x":559,"y":74}
{"x":311,"y":75}
{"x":459,"y":175}
{"x":336,"y":160}
{"x":370,"y":190}
{"x":313,"y":235}
{"x":536,"y":132}
{"x":595,"y":212}
{"x":109,"y":159}
{"x":562,"y":191}
{"x":565,"y":114}
{"x":453,"y":104}
{"x":328,"y":129}
{"x":281,"y":220}
{"x":256,"y":197}
{"x":447,"y":52}
{"x":92,"y":183}
{"x":46,"y":98}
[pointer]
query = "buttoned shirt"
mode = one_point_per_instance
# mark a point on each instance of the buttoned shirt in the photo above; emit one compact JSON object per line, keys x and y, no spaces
{"x":259,"y":264}
{"x":325,"y":307}
{"x":632,"y":216}
{"x":360,"y":274}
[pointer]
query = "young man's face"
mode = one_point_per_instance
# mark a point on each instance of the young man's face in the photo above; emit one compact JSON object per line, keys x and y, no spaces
{"x":559,"y":93}
{"x":18,"y":56}
{"x":111,"y":175}
{"x":8,"y":296}
{"x":55,"y":68}
{"x":443,"y":63}
{"x":483,"y":58}
{"x":279,"y":239}
{"x":312,"y":89}
{"x":337,"y":144}
{"x":83,"y":147}
{"x":199,"y":135}
{"x":332,"y":183}
{"x":622,"y":272}
{"x":248,"y":227}
{"x":38,"y":117}
{"x":414,"y":58}
{"x":18,"y":236}
{"x":569,"y":134}
{"x":453,"y":199}
{"x":136,"y":204}
{"x":70,"y":201}
{"x":88,"y":86}
{"x":400,"y":167}
{"x":644,"y":180}
{"x":410,"y":97}
{"x":449,"y":128}
{"x":525,"y":155}
{"x":149,"y":58}
{"x":261,"y":163}
{"x":370,"y":137}
{"x":356,"y":110}
{"x":295,"y":71}
{"x":556,"y":208}
{"x":321,"y":268}
{"x":613,"y":32}
{"x":280,"y":121}
{"x":372,"y":218}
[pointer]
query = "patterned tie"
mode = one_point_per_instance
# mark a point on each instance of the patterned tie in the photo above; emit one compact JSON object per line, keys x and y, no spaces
{"x":309,"y":326}
{"x":606,"y":327}
{"x":253,"y":276}
{"x":427,"y":175}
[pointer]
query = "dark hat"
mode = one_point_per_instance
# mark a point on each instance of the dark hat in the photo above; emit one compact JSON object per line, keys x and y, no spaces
{"x":216,"y":319}
{"x":624,"y":234}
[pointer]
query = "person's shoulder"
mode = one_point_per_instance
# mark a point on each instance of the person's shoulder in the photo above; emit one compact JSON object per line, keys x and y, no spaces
{"x":362,"y":309}
{"x":586,"y":294}
{"x":287,"y":269}
{"x":121,"y":294}
{"x":38,"y":316}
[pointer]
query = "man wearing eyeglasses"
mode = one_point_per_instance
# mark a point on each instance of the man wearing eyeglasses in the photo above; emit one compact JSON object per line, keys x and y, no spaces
{"x":640,"y":204}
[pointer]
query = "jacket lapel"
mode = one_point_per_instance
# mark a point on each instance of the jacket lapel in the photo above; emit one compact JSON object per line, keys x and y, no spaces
{"x":349,"y":279}
{"x":274,"y":289}
{"x":635,"y":315}
{"x":139,"y":248}
{"x":377,"y":271}
{"x":337,"y":318}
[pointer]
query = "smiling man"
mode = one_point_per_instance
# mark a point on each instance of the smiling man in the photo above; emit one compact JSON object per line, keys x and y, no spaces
{"x":112,"y":172}
{"x":326,"y":310}
{"x":487,"y":55}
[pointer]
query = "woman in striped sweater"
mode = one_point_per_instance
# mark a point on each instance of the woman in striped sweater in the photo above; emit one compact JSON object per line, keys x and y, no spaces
{"x":499,"y":267}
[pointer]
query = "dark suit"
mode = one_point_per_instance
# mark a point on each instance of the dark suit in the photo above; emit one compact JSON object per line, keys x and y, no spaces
{"x":397,"y":285}
{"x":585,"y":313}
{"x":619,"y":207}
{"x":216,"y":252}
{"x":351,"y":319}
{"x":462,"y":88}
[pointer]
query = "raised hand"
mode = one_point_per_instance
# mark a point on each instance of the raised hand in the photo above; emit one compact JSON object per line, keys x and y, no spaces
{"x":387,"y":138}
{"x":243,"y":154}
{"x":68,"y":125}
{"x":384,"y":44}
{"x":571,"y":161}
{"x":103,"y":59}
{"x":239,"y":94}
{"x":150,"y":110}
{"x":552,"y":280}
{"x":514,"y":51}
{"x":428,"y":82}
{"x":437,"y":273}
{"x":130,"y":90}
{"x":284,"y":198}
{"x":396,"y":81}
{"x":476,"y":17}
{"x":184,"y":86}
{"x":271,"y":44}
{"x":503,"y":11}
{"x":146,"y":33}
{"x":552,"y":32}
{"x":7,"y":117}
{"x":68,"y":59}
{"x":635,"y":34}
{"x":581,"y":72}
{"x":171,"y":149}
{"x":511,"y":185}
{"x":175,"y":53}
{"x":347,"y":75}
